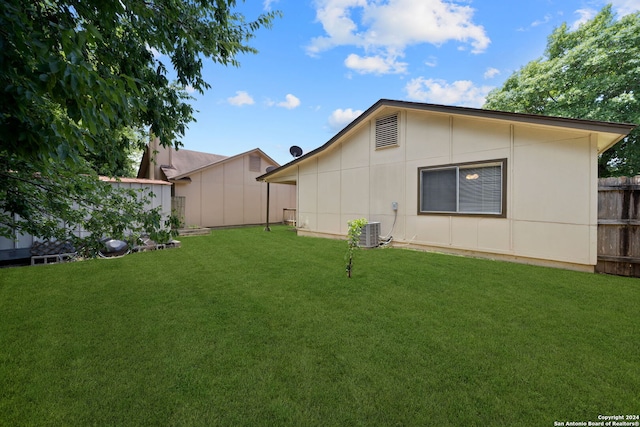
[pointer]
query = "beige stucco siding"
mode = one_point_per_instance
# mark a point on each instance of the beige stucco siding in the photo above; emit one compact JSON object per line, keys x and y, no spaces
{"x":550,"y":193}
{"x":355,"y":200}
{"x":227,"y":194}
{"x":553,"y":173}
{"x":193,"y":206}
{"x":308,"y":200}
{"x":475,"y":139}
{"x":212,"y":197}
{"x":433,"y":131}
{"x":558,"y":173}
{"x":233,"y":199}
{"x":356,"y":153}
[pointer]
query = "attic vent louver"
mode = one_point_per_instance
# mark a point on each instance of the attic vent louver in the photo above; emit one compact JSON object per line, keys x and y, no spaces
{"x":387,"y":131}
{"x":254,"y":163}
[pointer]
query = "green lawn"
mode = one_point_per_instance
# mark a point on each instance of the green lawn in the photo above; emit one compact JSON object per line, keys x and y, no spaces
{"x":245,"y":327}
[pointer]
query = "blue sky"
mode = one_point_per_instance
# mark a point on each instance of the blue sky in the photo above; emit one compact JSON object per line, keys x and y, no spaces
{"x":326,"y":61}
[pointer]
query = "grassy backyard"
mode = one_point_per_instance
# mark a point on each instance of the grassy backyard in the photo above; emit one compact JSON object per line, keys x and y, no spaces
{"x":245,"y":327}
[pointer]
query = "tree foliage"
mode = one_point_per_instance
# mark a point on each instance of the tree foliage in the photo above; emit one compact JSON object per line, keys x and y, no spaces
{"x":592,"y":72}
{"x":79,"y":79}
{"x":90,"y":208}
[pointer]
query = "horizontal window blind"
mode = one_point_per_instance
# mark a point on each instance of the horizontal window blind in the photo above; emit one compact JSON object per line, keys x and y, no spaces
{"x":439,"y":190}
{"x":462,"y":189}
{"x":480,"y":190}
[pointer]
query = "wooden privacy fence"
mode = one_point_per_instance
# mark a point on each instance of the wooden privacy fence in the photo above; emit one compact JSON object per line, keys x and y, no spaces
{"x":619,"y":226}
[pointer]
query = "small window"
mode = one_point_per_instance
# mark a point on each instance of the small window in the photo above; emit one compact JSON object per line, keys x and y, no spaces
{"x":387,"y":131}
{"x":254,"y":163}
{"x":464,"y":189}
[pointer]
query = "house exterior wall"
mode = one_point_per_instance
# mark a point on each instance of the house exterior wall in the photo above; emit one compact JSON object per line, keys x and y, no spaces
{"x":551,"y":187}
{"x":227,"y":194}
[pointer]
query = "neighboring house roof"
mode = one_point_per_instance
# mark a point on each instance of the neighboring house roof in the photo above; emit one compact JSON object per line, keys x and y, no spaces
{"x":189,"y":169}
{"x":184,"y":162}
{"x":608,"y":133}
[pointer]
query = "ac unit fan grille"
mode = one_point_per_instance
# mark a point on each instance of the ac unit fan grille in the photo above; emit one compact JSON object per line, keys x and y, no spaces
{"x":370,"y":236}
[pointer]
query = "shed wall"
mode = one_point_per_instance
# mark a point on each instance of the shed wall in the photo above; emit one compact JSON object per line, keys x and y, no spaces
{"x":20,"y":246}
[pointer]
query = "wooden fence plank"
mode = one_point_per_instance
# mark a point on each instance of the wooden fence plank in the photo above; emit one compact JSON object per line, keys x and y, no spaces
{"x":619,"y":226}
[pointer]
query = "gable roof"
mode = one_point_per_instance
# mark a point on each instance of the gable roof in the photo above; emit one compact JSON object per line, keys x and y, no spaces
{"x":609,"y":133}
{"x":184,"y":162}
{"x":222,"y":159}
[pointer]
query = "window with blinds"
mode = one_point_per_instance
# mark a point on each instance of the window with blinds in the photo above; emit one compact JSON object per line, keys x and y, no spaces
{"x":387,"y":131}
{"x":466,"y":189}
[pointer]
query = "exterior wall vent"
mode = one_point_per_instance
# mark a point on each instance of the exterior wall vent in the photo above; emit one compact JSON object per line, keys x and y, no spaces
{"x":370,"y":237}
{"x":387,"y":131}
{"x":254,"y":163}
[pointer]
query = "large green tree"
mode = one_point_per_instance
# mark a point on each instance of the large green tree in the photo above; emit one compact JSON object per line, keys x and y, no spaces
{"x":592,"y":72}
{"x":79,"y":79}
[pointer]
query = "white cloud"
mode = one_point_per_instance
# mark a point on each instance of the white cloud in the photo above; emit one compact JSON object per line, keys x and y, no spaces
{"x":290,"y":102}
{"x":432,"y":61}
{"x":241,"y":98}
{"x":374,"y":64}
{"x":335,"y":17}
{"x":620,"y":8}
{"x":461,"y":93}
{"x":155,"y":52}
{"x":189,"y":89}
{"x":385,"y":29}
{"x":585,"y":15}
{"x":625,"y":7}
{"x":543,"y":21}
{"x":267,"y":4}
{"x":340,"y":118}
{"x":491,"y":73}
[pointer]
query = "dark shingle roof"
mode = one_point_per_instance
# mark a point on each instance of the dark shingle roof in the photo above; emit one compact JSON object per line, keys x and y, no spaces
{"x":186,"y":161}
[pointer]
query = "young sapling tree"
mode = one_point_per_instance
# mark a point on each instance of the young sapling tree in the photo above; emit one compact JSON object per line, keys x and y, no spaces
{"x":353,"y":241}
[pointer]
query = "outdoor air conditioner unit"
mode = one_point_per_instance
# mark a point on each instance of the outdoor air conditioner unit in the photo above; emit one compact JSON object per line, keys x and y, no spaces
{"x":369,"y":238}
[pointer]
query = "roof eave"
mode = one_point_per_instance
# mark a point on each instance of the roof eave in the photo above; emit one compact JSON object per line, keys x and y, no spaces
{"x":617,"y":130}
